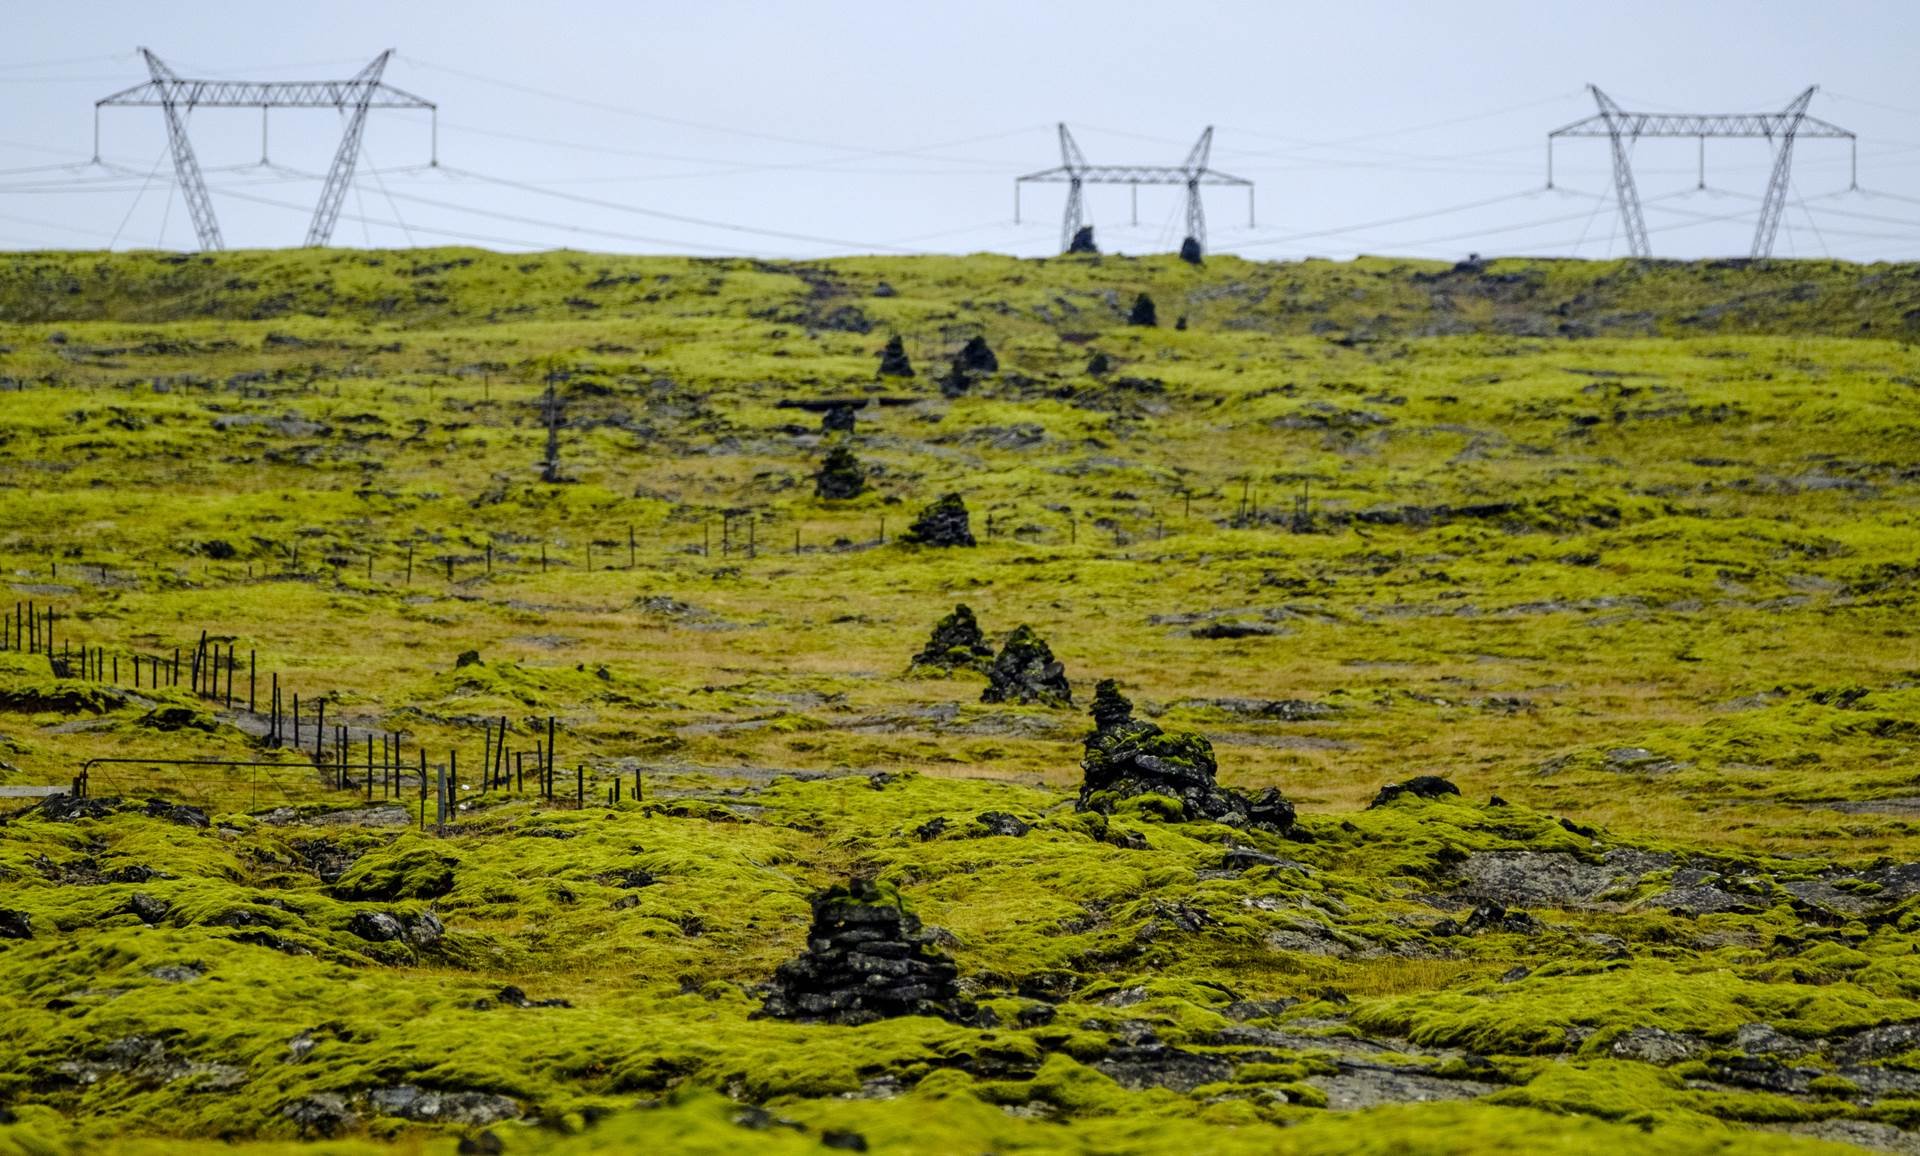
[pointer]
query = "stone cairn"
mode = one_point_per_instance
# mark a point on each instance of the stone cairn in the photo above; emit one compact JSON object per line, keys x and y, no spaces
{"x":1127,"y":756}
{"x":867,"y":959}
{"x":1025,"y":671}
{"x":1143,"y":312}
{"x":942,"y":523}
{"x":1083,"y":241}
{"x":840,"y":476}
{"x":893,"y":359}
{"x":957,"y":643}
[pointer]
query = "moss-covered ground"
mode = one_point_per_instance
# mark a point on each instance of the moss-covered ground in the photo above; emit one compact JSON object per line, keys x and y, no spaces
{"x":1627,"y":552}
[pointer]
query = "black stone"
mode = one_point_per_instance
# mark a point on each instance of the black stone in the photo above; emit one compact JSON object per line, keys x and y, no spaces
{"x":1001,"y":823}
{"x":15,"y":924}
{"x":1143,"y":312}
{"x":467,"y":658}
{"x":956,"y":642}
{"x":1083,"y":241}
{"x":837,"y":419}
{"x":943,"y":523}
{"x":1099,"y":365}
{"x":1420,"y":787}
{"x":1190,"y":251}
{"x":1025,"y":672}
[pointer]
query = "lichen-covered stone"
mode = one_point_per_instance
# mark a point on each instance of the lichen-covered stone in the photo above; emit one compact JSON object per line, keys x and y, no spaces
{"x":1126,"y":757}
{"x":867,"y":958}
{"x":956,"y":643}
{"x":841,"y":476}
{"x":944,"y":522}
{"x":1025,"y":671}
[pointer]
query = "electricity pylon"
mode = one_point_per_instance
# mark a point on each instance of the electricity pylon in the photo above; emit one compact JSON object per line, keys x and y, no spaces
{"x":1622,"y":128}
{"x":177,"y":97}
{"x":1074,"y":171}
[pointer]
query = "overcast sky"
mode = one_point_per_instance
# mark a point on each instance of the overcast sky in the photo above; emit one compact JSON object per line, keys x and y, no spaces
{"x":883,"y":126}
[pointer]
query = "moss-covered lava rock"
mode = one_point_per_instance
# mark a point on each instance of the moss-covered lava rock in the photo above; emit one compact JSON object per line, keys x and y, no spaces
{"x":1126,"y":756}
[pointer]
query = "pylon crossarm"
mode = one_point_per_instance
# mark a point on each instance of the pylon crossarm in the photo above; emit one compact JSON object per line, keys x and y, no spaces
{"x":1132,"y":175}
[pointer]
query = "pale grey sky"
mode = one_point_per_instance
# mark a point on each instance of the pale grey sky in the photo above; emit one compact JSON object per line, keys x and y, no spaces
{"x":881,"y":126}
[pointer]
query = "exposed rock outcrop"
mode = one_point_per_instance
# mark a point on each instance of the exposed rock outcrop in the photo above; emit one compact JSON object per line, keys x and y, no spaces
{"x":1025,"y":671}
{"x":867,"y":959}
{"x":1126,"y":756}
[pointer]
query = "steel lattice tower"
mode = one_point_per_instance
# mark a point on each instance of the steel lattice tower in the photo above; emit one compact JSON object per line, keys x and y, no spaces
{"x":1622,"y":128}
{"x":1074,"y":171}
{"x":177,"y":97}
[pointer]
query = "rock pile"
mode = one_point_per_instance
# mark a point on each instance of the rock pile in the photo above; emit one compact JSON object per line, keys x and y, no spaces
{"x":943,"y":523}
{"x":1025,"y":671}
{"x":1083,"y":241}
{"x":841,"y":476}
{"x":1190,"y":251}
{"x":1143,"y":312}
{"x":893,"y":359}
{"x":1128,"y":756}
{"x":977,"y":357}
{"x":867,"y":959}
{"x":838,"y":419}
{"x":957,"y":642}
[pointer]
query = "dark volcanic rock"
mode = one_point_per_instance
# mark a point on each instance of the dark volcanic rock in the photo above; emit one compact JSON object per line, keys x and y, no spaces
{"x":867,"y":959}
{"x":1190,"y":251}
{"x":377,"y":926}
{"x":837,"y":419}
{"x":1157,"y":1065}
{"x":67,"y":808}
{"x":179,"y":813}
{"x":1128,"y":756}
{"x":1490,"y":916}
{"x":1001,"y":823}
{"x":1099,"y":365}
{"x":413,"y":1103}
{"x":15,"y":924}
{"x":956,"y":642}
{"x":893,"y":359}
{"x":1026,"y":671}
{"x":976,"y":357}
{"x":323,"y":1115}
{"x":1083,"y":241}
{"x":840,"y":476}
{"x":148,"y":908}
{"x":1420,"y":787}
{"x":1143,"y":312}
{"x":943,"y":523}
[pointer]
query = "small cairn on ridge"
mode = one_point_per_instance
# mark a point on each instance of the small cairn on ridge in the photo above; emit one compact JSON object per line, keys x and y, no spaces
{"x":1025,"y":671}
{"x":942,"y":523}
{"x":957,"y":643}
{"x":1190,"y":251}
{"x":975,"y":359}
{"x":1127,"y":756}
{"x":1083,"y":241}
{"x":867,"y":959}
